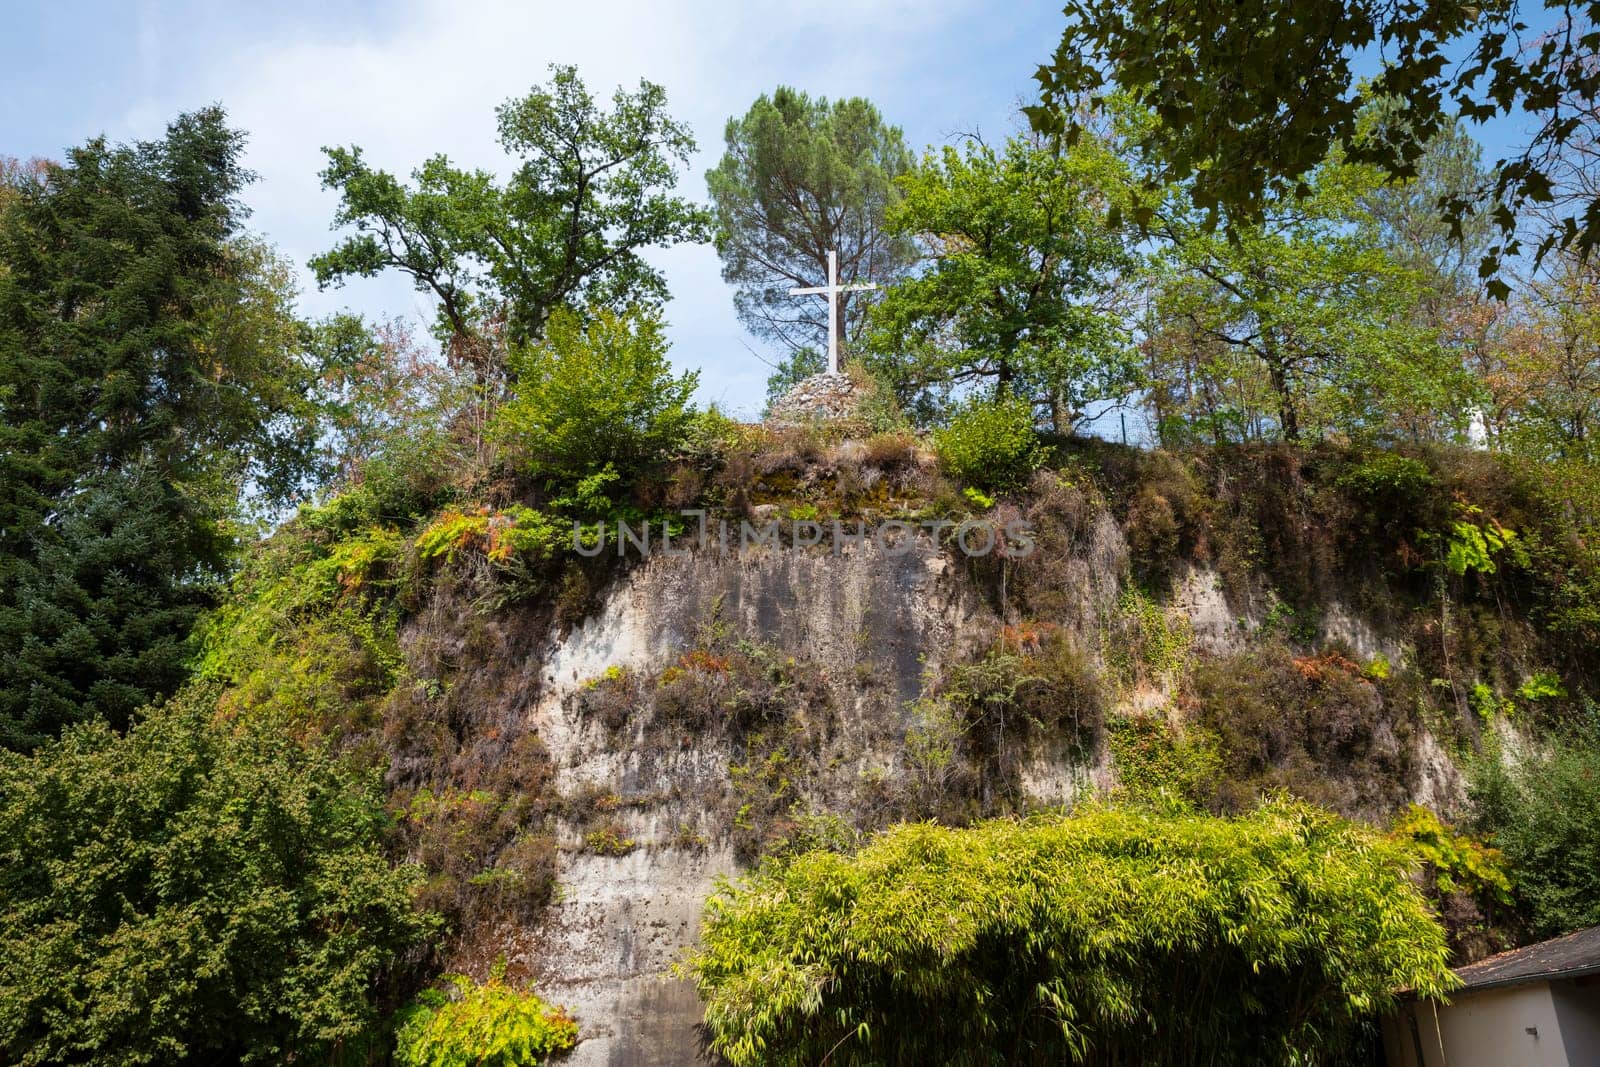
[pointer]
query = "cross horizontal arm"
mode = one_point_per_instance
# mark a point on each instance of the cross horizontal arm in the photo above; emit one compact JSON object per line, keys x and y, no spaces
{"x":832,"y":291}
{"x":824,"y":289}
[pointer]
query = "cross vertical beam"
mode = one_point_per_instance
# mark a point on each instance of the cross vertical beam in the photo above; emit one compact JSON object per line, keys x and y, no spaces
{"x":833,"y":311}
{"x":831,"y":291}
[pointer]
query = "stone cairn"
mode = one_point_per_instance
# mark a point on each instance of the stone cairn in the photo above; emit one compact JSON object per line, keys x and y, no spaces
{"x":819,"y":398}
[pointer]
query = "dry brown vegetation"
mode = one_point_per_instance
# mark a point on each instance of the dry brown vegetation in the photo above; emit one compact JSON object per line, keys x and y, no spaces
{"x":425,"y":667}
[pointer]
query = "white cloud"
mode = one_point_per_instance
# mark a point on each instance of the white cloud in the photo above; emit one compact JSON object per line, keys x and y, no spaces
{"x":425,"y":77}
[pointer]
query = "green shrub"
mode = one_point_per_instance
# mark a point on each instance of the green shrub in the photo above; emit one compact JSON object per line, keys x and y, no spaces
{"x":1473,"y":546}
{"x":592,"y":496}
{"x":451,"y":532}
{"x":1158,"y":764}
{"x":523,"y":533}
{"x":1034,"y":680}
{"x":1385,"y":478}
{"x":876,"y":408}
{"x":310,"y":629}
{"x":1111,"y":936}
{"x":413,"y":475}
{"x":1315,"y":725}
{"x":199,"y":891}
{"x":1469,"y":882}
{"x":1165,"y":511}
{"x":490,"y":1025}
{"x":991,"y":444}
{"x":1544,"y":815}
{"x":711,"y":436}
{"x":611,"y":839}
{"x":518,"y":533}
{"x":596,"y":392}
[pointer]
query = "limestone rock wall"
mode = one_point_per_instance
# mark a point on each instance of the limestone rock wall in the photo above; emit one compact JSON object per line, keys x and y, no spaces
{"x":621,"y":921}
{"x":606,"y":947}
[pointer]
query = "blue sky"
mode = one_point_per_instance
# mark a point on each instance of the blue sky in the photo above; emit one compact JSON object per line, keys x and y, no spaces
{"x":405,"y":80}
{"x":409,"y":78}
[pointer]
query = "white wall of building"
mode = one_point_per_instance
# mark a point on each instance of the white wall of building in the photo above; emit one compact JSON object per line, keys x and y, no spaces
{"x":1578,"y":1007}
{"x":1488,"y":1028}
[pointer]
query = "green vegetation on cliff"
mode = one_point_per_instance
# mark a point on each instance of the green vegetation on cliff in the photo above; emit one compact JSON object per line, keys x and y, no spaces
{"x":266,"y":777}
{"x":1110,"y":936}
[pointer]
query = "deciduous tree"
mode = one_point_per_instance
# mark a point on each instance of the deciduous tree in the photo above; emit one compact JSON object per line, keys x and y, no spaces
{"x":1542,"y":367}
{"x":1305,"y":312}
{"x":1023,"y":291}
{"x":591,"y":191}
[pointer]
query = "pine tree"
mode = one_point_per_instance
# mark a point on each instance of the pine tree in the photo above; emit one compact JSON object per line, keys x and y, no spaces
{"x":98,"y":616}
{"x":147,"y":370}
{"x":801,"y":176}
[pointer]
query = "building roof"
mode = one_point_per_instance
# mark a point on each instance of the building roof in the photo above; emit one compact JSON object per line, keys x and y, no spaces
{"x":1571,"y":956}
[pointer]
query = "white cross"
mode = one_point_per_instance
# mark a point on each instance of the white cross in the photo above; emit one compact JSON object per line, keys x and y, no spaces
{"x":1477,"y":429}
{"x":831,"y":291}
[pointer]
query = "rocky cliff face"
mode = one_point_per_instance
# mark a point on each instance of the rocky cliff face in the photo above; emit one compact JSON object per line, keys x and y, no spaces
{"x":606,"y":946}
{"x":576,"y":749}
{"x":656,"y":791}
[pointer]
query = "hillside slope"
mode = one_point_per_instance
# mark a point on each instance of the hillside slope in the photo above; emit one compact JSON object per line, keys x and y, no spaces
{"x":578,"y":747}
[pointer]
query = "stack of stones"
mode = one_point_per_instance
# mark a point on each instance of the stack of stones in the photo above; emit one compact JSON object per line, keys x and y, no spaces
{"x":819,"y":398}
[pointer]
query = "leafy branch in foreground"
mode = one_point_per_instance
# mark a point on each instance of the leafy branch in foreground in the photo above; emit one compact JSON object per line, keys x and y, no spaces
{"x":1247,"y":131}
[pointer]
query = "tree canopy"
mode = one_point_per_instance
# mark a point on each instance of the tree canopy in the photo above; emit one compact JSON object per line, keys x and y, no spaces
{"x":1021,"y":289}
{"x":1252,"y":97}
{"x":591,"y":190}
{"x":800,"y":176}
{"x":1306,"y":306}
{"x":151,"y":369}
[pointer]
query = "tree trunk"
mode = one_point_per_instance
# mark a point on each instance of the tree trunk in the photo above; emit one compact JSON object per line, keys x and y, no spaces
{"x":1059,"y":416}
{"x":838,"y":327}
{"x":1288,"y":418}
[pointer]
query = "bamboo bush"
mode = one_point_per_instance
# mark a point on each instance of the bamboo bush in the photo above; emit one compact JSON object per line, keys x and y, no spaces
{"x":1113,"y":936}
